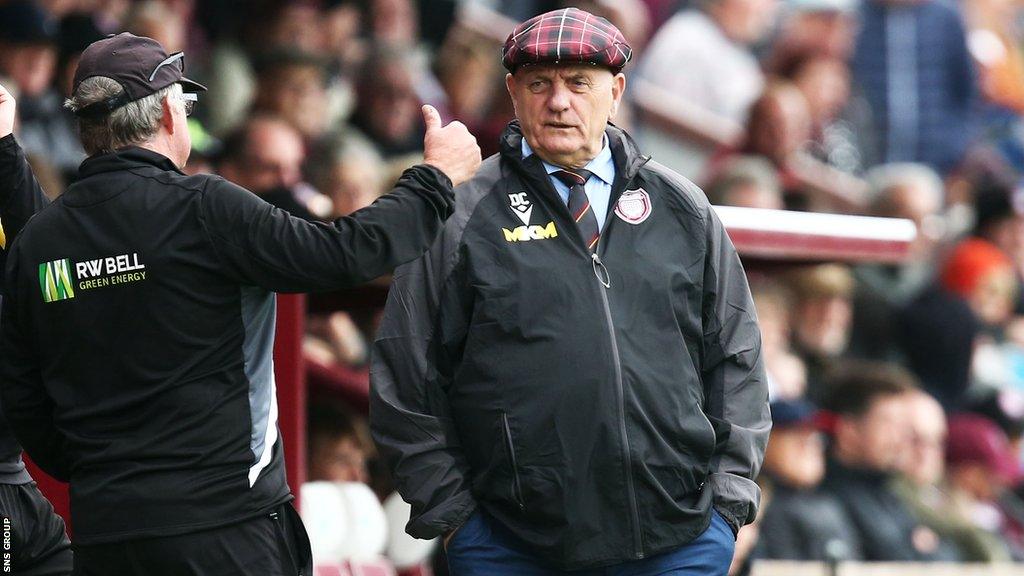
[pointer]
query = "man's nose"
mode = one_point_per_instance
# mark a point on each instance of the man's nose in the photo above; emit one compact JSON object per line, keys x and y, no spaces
{"x":558,"y":101}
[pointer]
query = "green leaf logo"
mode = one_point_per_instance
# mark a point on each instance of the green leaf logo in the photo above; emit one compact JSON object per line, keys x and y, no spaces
{"x":55,"y":280}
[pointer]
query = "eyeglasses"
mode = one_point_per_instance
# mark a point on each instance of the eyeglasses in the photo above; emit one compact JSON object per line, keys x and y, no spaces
{"x":189,"y":100}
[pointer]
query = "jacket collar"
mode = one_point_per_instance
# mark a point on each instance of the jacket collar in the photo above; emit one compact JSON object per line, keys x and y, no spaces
{"x":125,"y":159}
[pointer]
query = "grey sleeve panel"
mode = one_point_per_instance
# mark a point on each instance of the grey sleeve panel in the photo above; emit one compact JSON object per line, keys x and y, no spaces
{"x":409,"y":413}
{"x":259,"y":313}
{"x":736,"y":387}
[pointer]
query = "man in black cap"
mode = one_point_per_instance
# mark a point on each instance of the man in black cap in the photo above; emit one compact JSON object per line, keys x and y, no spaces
{"x":138,"y":326}
{"x":802,"y":522}
{"x":29,"y":56}
{"x":571,"y":378}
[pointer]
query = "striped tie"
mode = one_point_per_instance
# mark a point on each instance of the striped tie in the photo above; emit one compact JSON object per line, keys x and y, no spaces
{"x":579,"y":204}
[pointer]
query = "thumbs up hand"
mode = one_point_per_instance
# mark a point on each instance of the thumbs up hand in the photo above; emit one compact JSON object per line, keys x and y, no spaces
{"x":451,"y":149}
{"x":7,"y":106}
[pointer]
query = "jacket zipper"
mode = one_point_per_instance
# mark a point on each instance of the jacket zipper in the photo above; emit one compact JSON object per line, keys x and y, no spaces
{"x":606,"y":283}
{"x":517,"y":491}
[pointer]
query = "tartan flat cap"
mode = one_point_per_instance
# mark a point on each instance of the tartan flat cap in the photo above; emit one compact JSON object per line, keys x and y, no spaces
{"x":566,"y":36}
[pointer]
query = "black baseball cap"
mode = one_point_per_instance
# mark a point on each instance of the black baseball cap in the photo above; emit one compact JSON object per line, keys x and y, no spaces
{"x":139,"y":64}
{"x":795,"y":413}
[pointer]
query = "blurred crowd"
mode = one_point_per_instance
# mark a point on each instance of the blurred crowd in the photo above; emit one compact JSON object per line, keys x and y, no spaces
{"x":897,"y":389}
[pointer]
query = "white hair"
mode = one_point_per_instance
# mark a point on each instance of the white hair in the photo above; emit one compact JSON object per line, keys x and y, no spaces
{"x":887,"y":177}
{"x":134,"y":123}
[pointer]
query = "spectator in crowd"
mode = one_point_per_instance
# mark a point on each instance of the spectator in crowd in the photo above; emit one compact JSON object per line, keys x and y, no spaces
{"x":779,"y":129}
{"x":28,"y":57}
{"x":265,"y":156}
{"x":466,"y":69}
{"x":387,"y":112}
{"x":914,"y":192}
{"x":711,"y":40}
{"x":633,"y":17}
{"x":870,"y":441}
{"x":393,"y":22}
{"x":338,"y":444}
{"x":1005,"y":408}
{"x":266,"y":28}
{"x":983,"y":276}
{"x":748,"y":181}
{"x":77,"y":31}
{"x":911,"y":61}
{"x":813,"y":29}
{"x":802,"y":522}
{"x":291,"y":86}
{"x":937,"y":334}
{"x":352,"y":175}
{"x":778,"y":126}
{"x":920,"y":484}
{"x":343,"y":21}
{"x":787,"y":374}
{"x":994,"y":40}
{"x":840,"y":121}
{"x":981,"y":466}
{"x":821,"y":320}
{"x":999,"y":218}
{"x":160,"y":21}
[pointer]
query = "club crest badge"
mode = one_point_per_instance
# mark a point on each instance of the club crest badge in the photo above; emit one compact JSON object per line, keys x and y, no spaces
{"x":521,"y":206}
{"x":634,"y":206}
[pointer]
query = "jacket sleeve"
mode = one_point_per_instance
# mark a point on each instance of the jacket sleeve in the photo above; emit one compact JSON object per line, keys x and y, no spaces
{"x":735,"y":385}
{"x":418,"y":342}
{"x":26,"y":405}
{"x":265,"y":246}
{"x":20,"y":193}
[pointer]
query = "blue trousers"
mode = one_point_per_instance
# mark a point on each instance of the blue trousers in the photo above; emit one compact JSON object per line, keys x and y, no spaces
{"x":482,"y":548}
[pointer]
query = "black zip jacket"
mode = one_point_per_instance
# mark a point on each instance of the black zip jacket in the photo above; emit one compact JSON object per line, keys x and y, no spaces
{"x":138,"y":330}
{"x":20,"y":198}
{"x":595,"y":406}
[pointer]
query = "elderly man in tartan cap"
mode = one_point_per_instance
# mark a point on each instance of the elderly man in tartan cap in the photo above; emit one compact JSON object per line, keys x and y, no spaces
{"x":570,"y":380}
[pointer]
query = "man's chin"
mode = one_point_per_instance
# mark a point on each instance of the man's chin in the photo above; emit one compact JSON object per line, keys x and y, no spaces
{"x":558,"y":147}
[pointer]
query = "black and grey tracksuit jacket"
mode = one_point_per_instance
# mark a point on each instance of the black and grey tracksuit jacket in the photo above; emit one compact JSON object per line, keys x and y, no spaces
{"x":597,"y":407}
{"x":138,"y":329}
{"x":20,"y":198}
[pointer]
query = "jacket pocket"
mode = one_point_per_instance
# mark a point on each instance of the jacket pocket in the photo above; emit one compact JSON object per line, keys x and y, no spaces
{"x":517,"y":490}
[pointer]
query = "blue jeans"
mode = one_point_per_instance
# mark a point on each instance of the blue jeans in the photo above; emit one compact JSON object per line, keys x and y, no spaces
{"x":481,"y":548}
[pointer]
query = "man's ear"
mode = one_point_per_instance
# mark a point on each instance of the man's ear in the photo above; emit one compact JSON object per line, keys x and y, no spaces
{"x":618,"y":87}
{"x":167,"y":118}
{"x":510,"y":83}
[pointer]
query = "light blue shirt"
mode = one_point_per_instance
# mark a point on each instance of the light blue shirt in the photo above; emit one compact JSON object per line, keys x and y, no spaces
{"x":598,"y":187}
